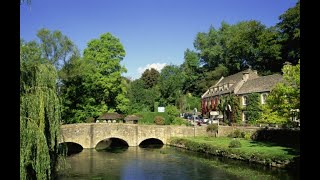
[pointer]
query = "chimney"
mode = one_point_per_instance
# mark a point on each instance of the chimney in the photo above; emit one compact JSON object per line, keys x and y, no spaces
{"x":245,"y":76}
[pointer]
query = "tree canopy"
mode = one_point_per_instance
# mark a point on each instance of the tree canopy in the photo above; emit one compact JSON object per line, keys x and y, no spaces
{"x":93,"y":84}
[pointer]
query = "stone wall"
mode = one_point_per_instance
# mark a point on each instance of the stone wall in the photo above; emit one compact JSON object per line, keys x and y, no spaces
{"x":225,"y":130}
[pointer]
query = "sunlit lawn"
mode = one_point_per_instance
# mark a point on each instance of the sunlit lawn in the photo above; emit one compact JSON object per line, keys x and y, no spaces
{"x":250,"y":147}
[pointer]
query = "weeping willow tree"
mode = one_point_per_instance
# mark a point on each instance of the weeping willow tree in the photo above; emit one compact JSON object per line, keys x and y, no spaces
{"x":39,"y":120}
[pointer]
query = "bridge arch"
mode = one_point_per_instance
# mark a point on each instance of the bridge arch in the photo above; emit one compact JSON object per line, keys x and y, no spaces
{"x":70,"y":148}
{"x":151,"y":142}
{"x":111,"y":142}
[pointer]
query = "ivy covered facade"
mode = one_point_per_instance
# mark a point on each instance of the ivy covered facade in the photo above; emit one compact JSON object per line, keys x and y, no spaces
{"x":238,"y":97}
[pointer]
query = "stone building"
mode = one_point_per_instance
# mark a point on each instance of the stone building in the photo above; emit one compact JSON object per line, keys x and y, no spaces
{"x":240,"y":84}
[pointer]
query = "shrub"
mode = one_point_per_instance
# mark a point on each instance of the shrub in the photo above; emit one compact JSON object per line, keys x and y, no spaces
{"x":159,"y":120}
{"x":178,"y":121}
{"x":237,"y":134}
{"x":172,"y":110}
{"x":283,"y":137}
{"x":212,"y":128}
{"x":235,"y":143}
{"x":247,"y":135}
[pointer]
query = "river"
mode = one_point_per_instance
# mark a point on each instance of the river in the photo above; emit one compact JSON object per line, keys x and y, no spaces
{"x":162,"y":163}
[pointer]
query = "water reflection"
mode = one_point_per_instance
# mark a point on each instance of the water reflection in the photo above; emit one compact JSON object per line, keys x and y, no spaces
{"x":154,"y":163}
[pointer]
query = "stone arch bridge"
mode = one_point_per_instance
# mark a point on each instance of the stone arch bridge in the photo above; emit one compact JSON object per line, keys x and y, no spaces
{"x":88,"y":135}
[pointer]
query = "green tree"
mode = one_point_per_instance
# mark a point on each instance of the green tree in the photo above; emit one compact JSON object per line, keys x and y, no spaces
{"x":93,"y":84}
{"x":56,"y":47}
{"x":247,"y":43}
{"x":289,"y":27}
{"x":141,"y":99}
{"x":39,"y":114}
{"x":285,"y":96}
{"x":150,"y":77}
{"x":171,"y":83}
{"x":190,"y":66}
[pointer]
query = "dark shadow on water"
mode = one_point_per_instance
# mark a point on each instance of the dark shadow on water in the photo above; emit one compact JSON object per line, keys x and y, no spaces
{"x":115,"y":149}
{"x":151,"y":143}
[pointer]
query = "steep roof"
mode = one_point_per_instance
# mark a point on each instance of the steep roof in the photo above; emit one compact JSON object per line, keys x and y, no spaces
{"x":260,"y":84}
{"x":233,"y":79}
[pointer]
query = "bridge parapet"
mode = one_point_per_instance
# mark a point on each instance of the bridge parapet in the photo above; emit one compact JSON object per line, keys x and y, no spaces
{"x":88,"y":135}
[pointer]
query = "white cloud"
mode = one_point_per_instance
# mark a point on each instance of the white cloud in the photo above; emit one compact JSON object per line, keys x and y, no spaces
{"x":157,"y":66}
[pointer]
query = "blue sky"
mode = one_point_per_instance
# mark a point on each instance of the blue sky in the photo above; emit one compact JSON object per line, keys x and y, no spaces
{"x":153,"y":32}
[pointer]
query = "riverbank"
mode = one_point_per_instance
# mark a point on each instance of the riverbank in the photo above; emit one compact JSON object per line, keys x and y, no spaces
{"x":268,"y":154}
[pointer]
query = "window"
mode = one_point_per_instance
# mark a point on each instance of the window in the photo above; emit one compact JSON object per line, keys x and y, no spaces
{"x":244,"y":116}
{"x":244,"y":100}
{"x":263,"y":98}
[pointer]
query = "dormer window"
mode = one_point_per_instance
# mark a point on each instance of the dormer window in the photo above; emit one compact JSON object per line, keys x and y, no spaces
{"x":263,"y":98}
{"x":225,"y":86}
{"x":244,"y":100}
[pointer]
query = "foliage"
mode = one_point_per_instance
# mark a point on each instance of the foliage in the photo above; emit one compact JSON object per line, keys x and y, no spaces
{"x":179,"y":121}
{"x":141,"y":99}
{"x":39,"y":115}
{"x":237,"y":134}
{"x":234,"y":143}
{"x":170,"y":83}
{"x":236,"y":46}
{"x":213,"y":128}
{"x":159,"y":120}
{"x":150,"y":77}
{"x":172,"y":110}
{"x":93,"y":84}
{"x":190,"y":67}
{"x":284,"y":97}
{"x":271,"y":117}
{"x":283,"y":137}
{"x":253,"y":107}
{"x":247,"y":135}
{"x":289,"y":28}
{"x":56,"y":47}
{"x":148,"y":117}
{"x":187,"y":103}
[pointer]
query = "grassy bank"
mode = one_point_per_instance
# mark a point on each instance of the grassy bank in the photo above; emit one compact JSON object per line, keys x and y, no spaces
{"x":251,"y":151}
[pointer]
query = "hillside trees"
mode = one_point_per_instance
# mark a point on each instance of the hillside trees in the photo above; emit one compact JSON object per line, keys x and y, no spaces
{"x":150,"y":77}
{"x":247,"y":43}
{"x":170,"y":84}
{"x":289,"y":28}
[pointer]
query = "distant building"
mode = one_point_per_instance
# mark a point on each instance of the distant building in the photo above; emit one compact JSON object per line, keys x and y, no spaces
{"x":240,"y":84}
